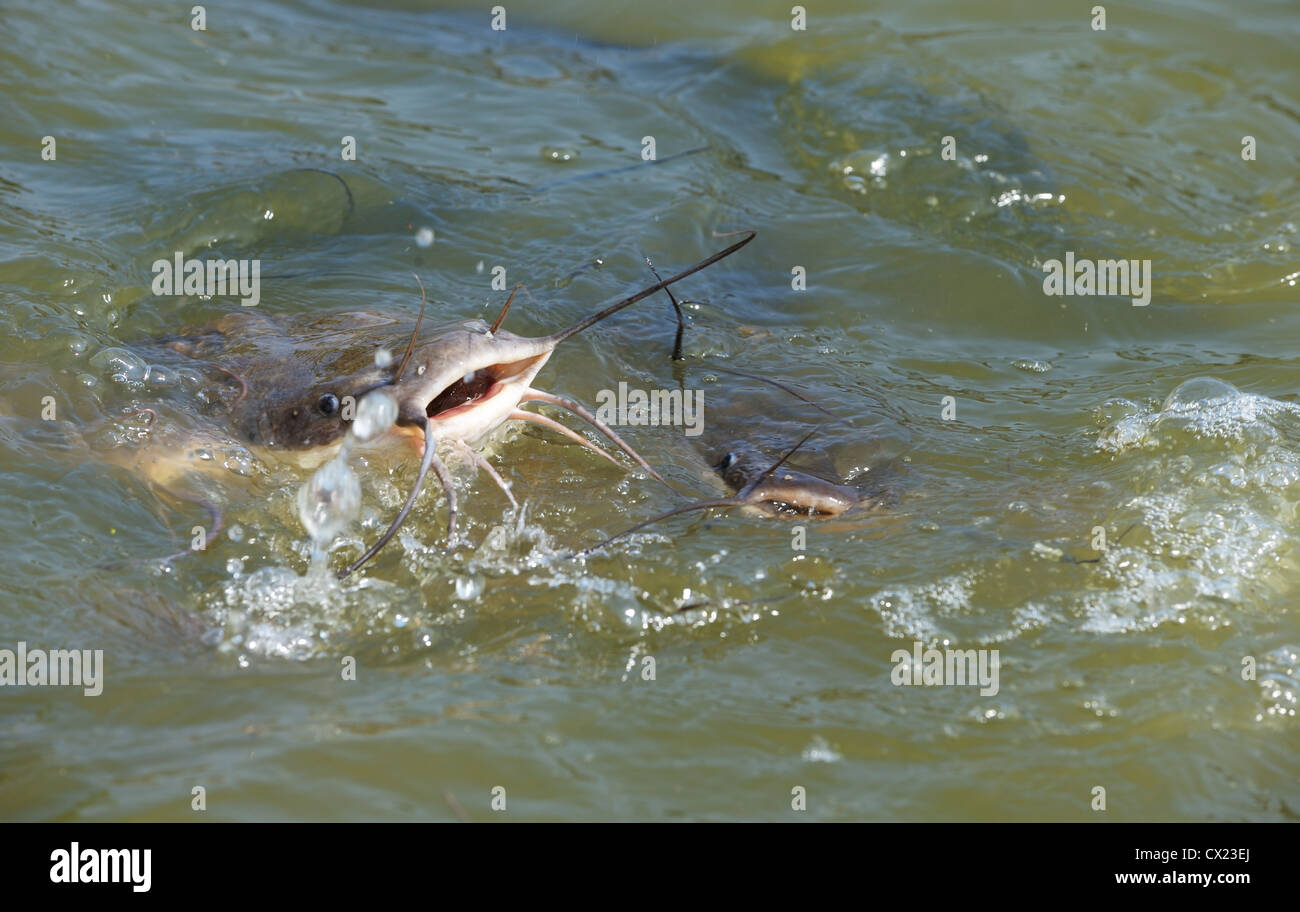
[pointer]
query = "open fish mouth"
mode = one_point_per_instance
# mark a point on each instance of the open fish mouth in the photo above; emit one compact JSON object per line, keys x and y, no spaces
{"x":477,"y":387}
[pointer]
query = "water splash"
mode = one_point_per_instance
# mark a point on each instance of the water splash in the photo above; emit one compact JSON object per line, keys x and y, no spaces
{"x":1214,"y":471}
{"x":330,"y":500}
{"x":1200,"y":409}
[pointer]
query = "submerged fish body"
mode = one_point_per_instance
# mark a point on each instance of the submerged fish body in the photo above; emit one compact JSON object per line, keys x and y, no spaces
{"x":262,"y":386}
{"x":787,"y":492}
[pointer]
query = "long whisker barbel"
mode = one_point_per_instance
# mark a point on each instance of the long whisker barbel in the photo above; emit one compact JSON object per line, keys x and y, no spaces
{"x":430,"y":460}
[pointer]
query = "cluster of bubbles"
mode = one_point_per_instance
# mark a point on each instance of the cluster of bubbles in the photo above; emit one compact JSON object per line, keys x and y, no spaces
{"x":127,"y":368}
{"x":1200,"y":409}
{"x":863,"y":170}
{"x":560,"y":154}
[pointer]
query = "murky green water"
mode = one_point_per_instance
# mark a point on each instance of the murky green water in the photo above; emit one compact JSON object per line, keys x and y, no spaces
{"x":507,"y":665}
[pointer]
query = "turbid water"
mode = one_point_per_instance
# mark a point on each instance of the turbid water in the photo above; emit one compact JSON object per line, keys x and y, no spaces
{"x":1174,"y":427}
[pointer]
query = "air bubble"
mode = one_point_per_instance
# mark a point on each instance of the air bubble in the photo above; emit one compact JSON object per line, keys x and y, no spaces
{"x":1199,"y":389}
{"x":121,"y":365}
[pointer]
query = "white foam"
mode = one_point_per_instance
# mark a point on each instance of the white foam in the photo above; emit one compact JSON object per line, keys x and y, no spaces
{"x":909,"y":612}
{"x":1215,"y":468}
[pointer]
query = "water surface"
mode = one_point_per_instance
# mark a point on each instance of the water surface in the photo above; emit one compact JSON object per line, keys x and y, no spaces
{"x":509,"y":665}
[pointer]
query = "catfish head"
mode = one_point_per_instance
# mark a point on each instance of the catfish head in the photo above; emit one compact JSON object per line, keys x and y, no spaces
{"x":783,"y":492}
{"x":772,"y":489}
{"x":304,"y":424}
{"x":461,"y":384}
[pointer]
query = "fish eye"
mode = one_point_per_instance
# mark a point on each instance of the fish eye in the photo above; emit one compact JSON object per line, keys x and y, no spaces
{"x":329,"y":404}
{"x":728,"y":461}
